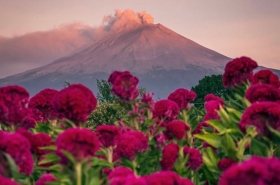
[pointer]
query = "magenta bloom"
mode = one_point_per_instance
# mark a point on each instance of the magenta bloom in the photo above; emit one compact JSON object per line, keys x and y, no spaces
{"x":147,"y":98}
{"x":195,"y":159}
{"x":108,"y":135}
{"x":166,"y":109}
{"x":238,"y":70}
{"x":259,"y":115}
{"x":42,"y":104}
{"x":131,"y":143}
{"x":166,"y":178}
{"x":212,"y":107}
{"x":169,"y":156}
{"x":75,"y":102}
{"x":225,"y":163}
{"x":120,"y":171}
{"x":257,"y":170}
{"x":18,"y":147}
{"x":176,"y":129}
{"x":183,"y":97}
{"x":210,"y":97}
{"x":266,"y":77}
{"x":7,"y":181}
{"x":124,"y":85}
{"x":13,"y":101}
{"x":115,"y":75}
{"x":80,"y":142}
{"x":263,"y":92}
{"x":44,"y":179}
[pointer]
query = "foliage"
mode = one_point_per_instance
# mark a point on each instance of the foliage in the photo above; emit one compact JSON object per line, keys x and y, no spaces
{"x":211,"y":84}
{"x":104,"y":92}
{"x":105,"y":113}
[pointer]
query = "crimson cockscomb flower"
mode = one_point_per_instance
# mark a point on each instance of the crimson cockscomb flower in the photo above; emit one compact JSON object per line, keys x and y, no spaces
{"x":45,"y":179}
{"x":108,"y":135}
{"x":120,"y":171}
{"x":266,"y":77}
{"x":13,"y":101}
{"x":7,"y":181}
{"x":42,"y":104}
{"x":183,"y":97}
{"x":211,"y":108}
{"x":261,"y":114}
{"x":115,"y":75}
{"x":166,"y":178}
{"x":147,"y":98}
{"x":169,"y":156}
{"x":176,"y":129}
{"x":225,"y":163}
{"x":256,"y":170}
{"x":238,"y":70}
{"x":75,"y":102}
{"x":131,"y":143}
{"x":210,"y":97}
{"x":125,"y":86}
{"x":166,"y":109}
{"x":18,"y":147}
{"x":37,"y":140}
{"x":263,"y":92}
{"x":80,"y":142}
{"x":195,"y":158}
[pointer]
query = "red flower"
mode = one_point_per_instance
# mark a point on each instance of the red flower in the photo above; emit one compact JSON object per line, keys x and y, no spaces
{"x":238,"y":70}
{"x":166,"y":109}
{"x":7,"y":181}
{"x":177,"y":129}
{"x":115,"y":75}
{"x":41,"y":104}
{"x":45,"y":179}
{"x":182,"y":97}
{"x":131,"y":143}
{"x":166,"y":178}
{"x":108,"y":135}
{"x":75,"y":102}
{"x":169,"y":156}
{"x":211,"y":108}
{"x":259,"y":115}
{"x":225,"y":163}
{"x":257,"y":170}
{"x":195,"y":158}
{"x":80,"y":142}
{"x":266,"y":77}
{"x":13,"y":100}
{"x":124,"y":85}
{"x":210,"y":97}
{"x":263,"y":92}
{"x":147,"y":98}
{"x":18,"y":147}
{"x":120,"y":171}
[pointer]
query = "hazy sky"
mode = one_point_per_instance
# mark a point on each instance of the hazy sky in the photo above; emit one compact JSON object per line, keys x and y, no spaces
{"x":230,"y":27}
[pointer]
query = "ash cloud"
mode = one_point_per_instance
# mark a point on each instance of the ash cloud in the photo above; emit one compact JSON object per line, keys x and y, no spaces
{"x":31,"y":50}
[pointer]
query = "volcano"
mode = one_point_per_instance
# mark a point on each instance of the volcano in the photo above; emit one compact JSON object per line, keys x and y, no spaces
{"x":162,"y":60}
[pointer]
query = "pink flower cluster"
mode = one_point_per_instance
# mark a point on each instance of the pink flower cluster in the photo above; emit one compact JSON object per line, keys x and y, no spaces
{"x":183,"y":97}
{"x":238,"y":71}
{"x":75,"y":102}
{"x":108,"y":135}
{"x":212,"y":105}
{"x":266,"y":77}
{"x":166,"y":110}
{"x":124,"y":85}
{"x":256,"y":170}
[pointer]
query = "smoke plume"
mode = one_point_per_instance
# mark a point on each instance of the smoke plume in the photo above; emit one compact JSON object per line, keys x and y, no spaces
{"x":21,"y":53}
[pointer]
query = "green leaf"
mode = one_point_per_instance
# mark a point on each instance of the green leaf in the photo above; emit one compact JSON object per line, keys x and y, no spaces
{"x":13,"y":166}
{"x":211,"y":138}
{"x":69,"y":156}
{"x":49,"y":158}
{"x":228,"y":146}
{"x":101,"y":162}
{"x":210,"y":159}
{"x":275,"y":134}
{"x":258,"y":148}
{"x":218,"y":125}
{"x":52,"y":147}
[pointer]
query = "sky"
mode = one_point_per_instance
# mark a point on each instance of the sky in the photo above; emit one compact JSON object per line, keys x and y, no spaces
{"x":233,"y":28}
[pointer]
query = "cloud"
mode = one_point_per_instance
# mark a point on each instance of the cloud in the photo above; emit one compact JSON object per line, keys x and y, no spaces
{"x":21,"y":53}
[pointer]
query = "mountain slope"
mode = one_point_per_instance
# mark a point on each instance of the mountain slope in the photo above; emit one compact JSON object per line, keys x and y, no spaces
{"x":162,"y":59}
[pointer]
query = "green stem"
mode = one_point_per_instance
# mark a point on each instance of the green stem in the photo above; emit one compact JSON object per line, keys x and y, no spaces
{"x":270,"y":152}
{"x":110,"y":154}
{"x":134,"y":164}
{"x":79,"y":173}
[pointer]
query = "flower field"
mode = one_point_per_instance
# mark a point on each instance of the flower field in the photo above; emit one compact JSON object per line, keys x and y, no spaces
{"x":44,"y":139}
